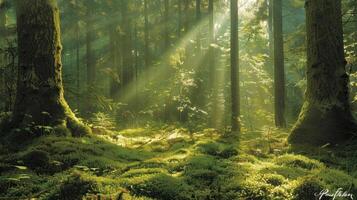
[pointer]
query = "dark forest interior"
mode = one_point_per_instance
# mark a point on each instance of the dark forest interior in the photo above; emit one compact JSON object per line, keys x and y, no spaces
{"x":178,"y":99}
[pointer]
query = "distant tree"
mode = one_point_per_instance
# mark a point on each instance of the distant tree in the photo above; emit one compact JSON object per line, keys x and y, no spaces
{"x":279,"y":74}
{"x":325,"y":116}
{"x":234,"y":67}
{"x":166,"y":24}
{"x":40,"y":99}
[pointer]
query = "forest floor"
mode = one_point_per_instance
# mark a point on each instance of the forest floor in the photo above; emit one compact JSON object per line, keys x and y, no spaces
{"x":172,"y":164}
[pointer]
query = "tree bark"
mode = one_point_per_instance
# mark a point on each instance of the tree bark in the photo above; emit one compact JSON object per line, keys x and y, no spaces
{"x":325,"y":116}
{"x":279,"y":74}
{"x":40,"y":99}
{"x":235,"y":67}
{"x":2,"y":55}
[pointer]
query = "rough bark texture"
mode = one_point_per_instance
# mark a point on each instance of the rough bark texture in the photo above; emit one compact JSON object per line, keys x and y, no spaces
{"x":279,"y":74}
{"x":325,"y":116}
{"x":234,"y":67}
{"x":40,"y":99}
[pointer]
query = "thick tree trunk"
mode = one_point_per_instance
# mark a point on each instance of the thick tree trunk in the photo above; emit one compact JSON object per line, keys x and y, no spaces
{"x":40,"y":99}
{"x":325,"y":116}
{"x":234,"y":67}
{"x":2,"y":55}
{"x":279,"y":74}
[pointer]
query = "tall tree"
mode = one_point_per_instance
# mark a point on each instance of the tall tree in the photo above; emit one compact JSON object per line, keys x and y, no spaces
{"x":198,"y":19}
{"x":40,"y":99}
{"x":179,"y":18}
{"x":166,"y":24}
{"x":325,"y":116}
{"x":91,"y":71}
{"x":2,"y":44}
{"x":279,"y":74}
{"x":146,"y":35}
{"x":235,"y":67}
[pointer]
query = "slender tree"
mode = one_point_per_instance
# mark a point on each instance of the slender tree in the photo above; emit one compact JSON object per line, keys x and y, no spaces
{"x":40,"y":99}
{"x":235,"y":66}
{"x":279,"y":74}
{"x":179,"y":18}
{"x":325,"y":116}
{"x":146,"y":35}
{"x":91,"y":71}
{"x":198,"y":19}
{"x":166,"y":24}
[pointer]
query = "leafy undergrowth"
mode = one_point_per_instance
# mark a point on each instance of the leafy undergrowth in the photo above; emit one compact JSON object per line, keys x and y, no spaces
{"x":173,"y":164}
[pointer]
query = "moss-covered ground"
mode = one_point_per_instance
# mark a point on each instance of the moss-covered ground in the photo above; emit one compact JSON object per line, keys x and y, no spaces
{"x":171,"y":164}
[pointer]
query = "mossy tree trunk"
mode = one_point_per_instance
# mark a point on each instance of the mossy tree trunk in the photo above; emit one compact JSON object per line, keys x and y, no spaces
{"x":40,"y":99}
{"x":325,"y":116}
{"x":279,"y":74}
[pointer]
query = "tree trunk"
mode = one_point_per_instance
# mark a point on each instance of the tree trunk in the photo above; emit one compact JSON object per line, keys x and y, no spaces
{"x":279,"y":74}
{"x":198,"y":20}
{"x":235,"y":67}
{"x":40,"y":99}
{"x":211,"y":64}
{"x":2,"y":55}
{"x":78,"y":48}
{"x":325,"y":116}
{"x":166,"y":24}
{"x":147,"y":35}
{"x":91,"y":71}
{"x":126,"y":75}
{"x":187,"y":16}
{"x":179,"y":17}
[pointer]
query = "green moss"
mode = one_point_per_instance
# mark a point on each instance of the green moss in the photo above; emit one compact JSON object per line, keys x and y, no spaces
{"x":274,"y":179}
{"x":75,"y":187}
{"x":37,"y":160}
{"x":163,"y":187}
{"x":292,"y":160}
{"x":307,"y":188}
